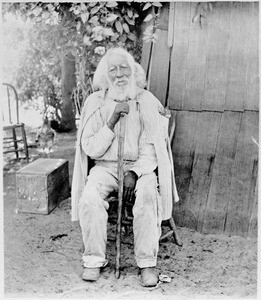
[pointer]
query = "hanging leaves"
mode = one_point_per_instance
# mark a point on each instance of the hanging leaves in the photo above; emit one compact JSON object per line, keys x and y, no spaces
{"x":111,"y":18}
{"x":108,"y":32}
{"x":123,"y":38}
{"x":45,"y":15}
{"x":78,"y":26}
{"x":37,"y":11}
{"x":157,"y":4}
{"x":85,"y":17}
{"x":149,"y":34}
{"x":130,"y":21}
{"x":87,"y":41}
{"x":83,"y":7}
{"x":91,"y":4}
{"x":95,"y":10}
{"x":119,"y":27}
{"x":94,"y":21}
{"x":88,"y":29}
{"x":130,"y":13}
{"x":120,"y":17}
{"x":148,"y":18}
{"x":97,"y":33}
{"x":126,"y":28}
{"x":76,"y":11}
{"x":111,"y":4}
{"x":132,"y":37}
{"x":146,"y":6}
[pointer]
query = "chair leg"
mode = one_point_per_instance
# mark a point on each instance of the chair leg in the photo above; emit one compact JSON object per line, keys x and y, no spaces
{"x":175,"y":232}
{"x":166,"y":235}
{"x":25,"y":143}
{"x":15,"y":143}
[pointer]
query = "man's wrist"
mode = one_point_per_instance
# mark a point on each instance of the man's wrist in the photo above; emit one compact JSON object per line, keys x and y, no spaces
{"x":112,"y":122}
{"x":132,"y":172}
{"x":111,"y":125}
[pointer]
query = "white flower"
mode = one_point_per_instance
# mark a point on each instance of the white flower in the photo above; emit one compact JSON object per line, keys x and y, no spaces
{"x":99,"y":50}
{"x":87,"y":41}
{"x":97,"y":33}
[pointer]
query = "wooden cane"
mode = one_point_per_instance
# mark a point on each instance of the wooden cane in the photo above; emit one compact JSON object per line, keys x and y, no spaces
{"x":120,"y":193}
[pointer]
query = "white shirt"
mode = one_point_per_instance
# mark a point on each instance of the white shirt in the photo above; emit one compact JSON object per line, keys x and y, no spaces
{"x":101,"y":144}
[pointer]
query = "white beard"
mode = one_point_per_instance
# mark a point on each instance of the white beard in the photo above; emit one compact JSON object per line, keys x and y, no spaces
{"x":121,"y":93}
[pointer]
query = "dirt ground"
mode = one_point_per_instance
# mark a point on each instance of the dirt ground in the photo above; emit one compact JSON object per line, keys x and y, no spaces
{"x":42,"y":254}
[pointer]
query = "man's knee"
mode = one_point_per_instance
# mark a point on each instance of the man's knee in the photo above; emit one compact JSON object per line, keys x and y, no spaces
{"x":146,"y":190}
{"x":91,"y":201}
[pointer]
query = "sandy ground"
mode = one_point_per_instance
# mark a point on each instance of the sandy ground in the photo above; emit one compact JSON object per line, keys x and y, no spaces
{"x":42,"y":255}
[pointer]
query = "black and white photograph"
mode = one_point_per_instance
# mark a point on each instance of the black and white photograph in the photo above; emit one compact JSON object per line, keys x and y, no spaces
{"x":130,"y":145}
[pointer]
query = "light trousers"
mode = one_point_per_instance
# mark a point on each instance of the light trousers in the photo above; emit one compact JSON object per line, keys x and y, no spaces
{"x":93,"y":208}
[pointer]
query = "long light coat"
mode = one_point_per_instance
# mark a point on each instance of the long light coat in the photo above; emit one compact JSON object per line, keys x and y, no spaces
{"x":156,"y":132}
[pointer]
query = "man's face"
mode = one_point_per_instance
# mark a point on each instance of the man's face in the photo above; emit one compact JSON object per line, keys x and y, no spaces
{"x":119,"y":71}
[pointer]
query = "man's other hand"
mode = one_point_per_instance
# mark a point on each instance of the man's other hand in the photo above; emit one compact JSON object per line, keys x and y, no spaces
{"x":129,"y":183}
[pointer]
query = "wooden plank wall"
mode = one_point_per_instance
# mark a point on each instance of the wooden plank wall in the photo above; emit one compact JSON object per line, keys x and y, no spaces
{"x":208,"y":77}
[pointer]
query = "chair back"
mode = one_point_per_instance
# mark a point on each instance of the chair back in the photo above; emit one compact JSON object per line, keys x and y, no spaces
{"x":10,"y":105}
{"x":168,"y":123}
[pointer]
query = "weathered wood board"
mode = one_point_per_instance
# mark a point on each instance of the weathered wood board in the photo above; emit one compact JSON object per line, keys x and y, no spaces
{"x":146,"y":50}
{"x":41,"y":185}
{"x":196,"y":64}
{"x":201,"y":175}
{"x":216,"y":206}
{"x":183,"y":149}
{"x":252,"y":73}
{"x":160,"y":67}
{"x":237,"y":56}
{"x":244,"y":176}
{"x":216,"y":163}
{"x":218,"y":37}
{"x":179,"y":55}
{"x":213,"y":67}
{"x":253,"y":220}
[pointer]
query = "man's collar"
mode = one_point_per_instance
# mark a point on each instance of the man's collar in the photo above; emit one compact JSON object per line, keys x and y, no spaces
{"x":102,"y":93}
{"x":139,"y":91}
{"x":124,"y":100}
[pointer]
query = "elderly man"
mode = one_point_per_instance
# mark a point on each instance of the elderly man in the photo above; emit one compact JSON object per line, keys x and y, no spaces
{"x":120,"y":82}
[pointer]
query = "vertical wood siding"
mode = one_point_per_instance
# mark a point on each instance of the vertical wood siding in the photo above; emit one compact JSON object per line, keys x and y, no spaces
{"x":208,"y":77}
{"x":159,"y":71}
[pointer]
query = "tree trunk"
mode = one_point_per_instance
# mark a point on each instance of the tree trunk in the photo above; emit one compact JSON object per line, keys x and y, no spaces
{"x":68,"y":83}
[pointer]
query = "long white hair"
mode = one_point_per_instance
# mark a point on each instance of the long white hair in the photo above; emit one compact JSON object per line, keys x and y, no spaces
{"x":100,"y":78}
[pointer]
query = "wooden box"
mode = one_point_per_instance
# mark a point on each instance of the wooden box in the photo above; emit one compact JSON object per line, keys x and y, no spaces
{"x":42,"y":185}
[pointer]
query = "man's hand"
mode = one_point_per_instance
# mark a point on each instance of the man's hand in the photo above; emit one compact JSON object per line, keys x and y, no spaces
{"x":129,"y":183}
{"x":120,"y":108}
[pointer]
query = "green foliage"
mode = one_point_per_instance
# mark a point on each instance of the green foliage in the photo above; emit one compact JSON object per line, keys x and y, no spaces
{"x":41,"y":70}
{"x":153,"y":9}
{"x":32,"y":64}
{"x":37,"y":68}
{"x":86,"y":30}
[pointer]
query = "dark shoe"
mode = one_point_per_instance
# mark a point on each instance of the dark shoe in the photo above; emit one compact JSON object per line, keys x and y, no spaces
{"x":149,"y":276}
{"x":91,"y":274}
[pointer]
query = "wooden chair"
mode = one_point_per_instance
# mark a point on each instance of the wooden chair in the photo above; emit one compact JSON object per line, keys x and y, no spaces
{"x":12,"y":142}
